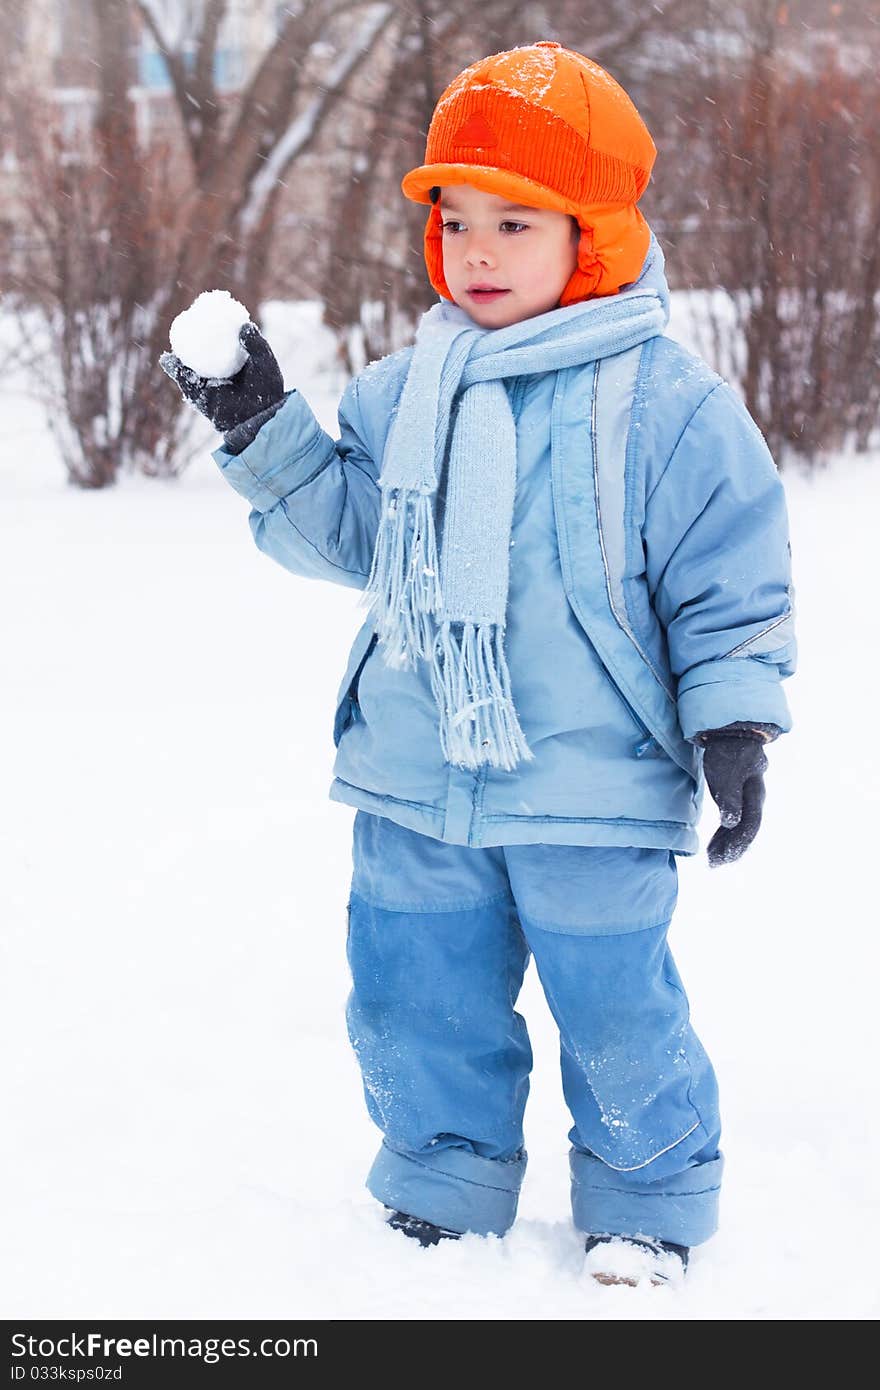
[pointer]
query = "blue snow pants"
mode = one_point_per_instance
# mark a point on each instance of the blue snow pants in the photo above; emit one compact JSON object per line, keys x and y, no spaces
{"x":439,"y":937}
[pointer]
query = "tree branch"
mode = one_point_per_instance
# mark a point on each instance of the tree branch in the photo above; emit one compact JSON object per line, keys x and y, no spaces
{"x":193,"y":92}
{"x":305,"y":126}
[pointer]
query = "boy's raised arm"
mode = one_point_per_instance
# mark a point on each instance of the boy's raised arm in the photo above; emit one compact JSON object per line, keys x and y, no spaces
{"x":718,"y":562}
{"x":315,"y":500}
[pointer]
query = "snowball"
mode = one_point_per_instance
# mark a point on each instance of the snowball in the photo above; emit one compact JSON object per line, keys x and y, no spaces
{"x":205,"y":336}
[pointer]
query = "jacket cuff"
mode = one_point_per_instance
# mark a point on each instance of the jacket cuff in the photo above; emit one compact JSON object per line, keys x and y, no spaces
{"x":743,"y":727}
{"x":246,"y":431}
{"x":285,"y":454}
{"x":714,"y":694}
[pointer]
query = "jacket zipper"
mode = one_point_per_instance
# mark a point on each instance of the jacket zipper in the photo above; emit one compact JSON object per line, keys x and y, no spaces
{"x":642,"y":748}
{"x":517,"y":391}
{"x":649,"y":741}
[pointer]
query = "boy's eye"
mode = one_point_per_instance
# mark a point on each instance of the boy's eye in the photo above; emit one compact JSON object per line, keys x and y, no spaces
{"x":448,"y":226}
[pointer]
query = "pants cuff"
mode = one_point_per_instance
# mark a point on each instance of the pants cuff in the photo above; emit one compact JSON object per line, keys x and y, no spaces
{"x":450,"y":1187}
{"x":682,"y":1208}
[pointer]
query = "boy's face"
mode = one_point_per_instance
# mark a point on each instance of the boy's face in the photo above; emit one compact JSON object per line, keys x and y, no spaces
{"x":529,"y":253}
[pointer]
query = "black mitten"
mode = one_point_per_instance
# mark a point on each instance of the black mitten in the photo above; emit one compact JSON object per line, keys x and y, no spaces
{"x":255,"y":388}
{"x":734,"y":764}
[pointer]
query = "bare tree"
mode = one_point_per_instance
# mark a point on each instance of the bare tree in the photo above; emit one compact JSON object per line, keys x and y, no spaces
{"x":99,"y":211}
{"x":238,"y":172}
{"x":791,"y":231}
{"x":127,"y":232}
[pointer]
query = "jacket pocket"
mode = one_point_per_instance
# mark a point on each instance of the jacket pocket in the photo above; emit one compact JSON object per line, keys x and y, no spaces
{"x":346,"y":700}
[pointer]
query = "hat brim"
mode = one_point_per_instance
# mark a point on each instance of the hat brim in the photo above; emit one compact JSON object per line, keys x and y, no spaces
{"x":416,"y":185}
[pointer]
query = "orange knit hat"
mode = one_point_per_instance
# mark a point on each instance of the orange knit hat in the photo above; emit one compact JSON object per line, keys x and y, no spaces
{"x":549,"y":128}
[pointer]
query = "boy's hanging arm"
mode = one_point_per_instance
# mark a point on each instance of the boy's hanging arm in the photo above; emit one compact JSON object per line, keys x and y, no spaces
{"x":315,"y":501}
{"x":718,"y":562}
{"x":734,"y":765}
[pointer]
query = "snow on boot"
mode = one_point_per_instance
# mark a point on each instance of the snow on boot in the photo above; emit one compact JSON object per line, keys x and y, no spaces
{"x":630,"y":1259}
{"x":422,"y":1231}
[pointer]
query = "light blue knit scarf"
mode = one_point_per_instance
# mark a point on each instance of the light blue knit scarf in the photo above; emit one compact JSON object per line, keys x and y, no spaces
{"x":453,"y":609}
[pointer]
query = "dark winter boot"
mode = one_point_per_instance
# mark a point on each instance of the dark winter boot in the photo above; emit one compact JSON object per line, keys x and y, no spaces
{"x":422,"y":1231}
{"x":629,"y":1259}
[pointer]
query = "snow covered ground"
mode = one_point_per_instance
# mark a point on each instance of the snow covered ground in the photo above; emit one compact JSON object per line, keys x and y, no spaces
{"x":185,"y":1133}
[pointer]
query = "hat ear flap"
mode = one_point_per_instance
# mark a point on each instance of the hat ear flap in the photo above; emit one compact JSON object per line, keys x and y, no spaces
{"x":611,"y":252}
{"x":585,"y":279}
{"x":434,"y":251}
{"x":586,"y":258}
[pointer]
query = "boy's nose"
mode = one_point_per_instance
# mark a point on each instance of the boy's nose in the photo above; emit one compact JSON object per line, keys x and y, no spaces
{"x":478,"y":254}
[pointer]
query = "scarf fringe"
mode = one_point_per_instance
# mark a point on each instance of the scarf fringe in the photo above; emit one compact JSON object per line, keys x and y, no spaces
{"x":471,"y":684}
{"x":404,"y":583}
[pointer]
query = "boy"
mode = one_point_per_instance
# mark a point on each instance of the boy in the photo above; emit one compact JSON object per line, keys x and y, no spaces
{"x":573,"y":542}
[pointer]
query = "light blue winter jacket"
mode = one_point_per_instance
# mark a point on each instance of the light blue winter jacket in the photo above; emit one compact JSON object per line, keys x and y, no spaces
{"x":650,"y":596}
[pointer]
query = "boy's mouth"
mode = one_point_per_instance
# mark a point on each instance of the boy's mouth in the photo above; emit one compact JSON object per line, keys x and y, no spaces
{"x":483,"y":293}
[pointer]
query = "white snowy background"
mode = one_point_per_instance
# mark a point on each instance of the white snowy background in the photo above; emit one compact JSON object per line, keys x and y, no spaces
{"x":185,"y":1134}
